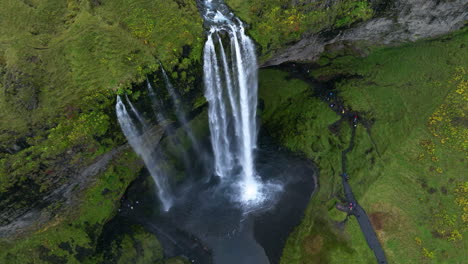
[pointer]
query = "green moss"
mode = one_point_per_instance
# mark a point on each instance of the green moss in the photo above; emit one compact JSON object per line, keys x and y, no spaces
{"x":281,"y":92}
{"x":86,"y":132}
{"x":405,"y":184}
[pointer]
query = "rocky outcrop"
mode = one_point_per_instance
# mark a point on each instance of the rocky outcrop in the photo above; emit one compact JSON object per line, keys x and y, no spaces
{"x":41,"y":207}
{"x":395,"y":22}
{"x":15,"y":220}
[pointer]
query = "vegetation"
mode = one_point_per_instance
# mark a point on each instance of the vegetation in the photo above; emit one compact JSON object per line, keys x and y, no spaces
{"x":63,"y":62}
{"x":61,"y":65}
{"x":275,"y":23}
{"x":407,"y":171}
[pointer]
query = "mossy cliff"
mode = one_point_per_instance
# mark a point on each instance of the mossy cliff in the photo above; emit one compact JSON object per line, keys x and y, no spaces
{"x":300,"y":30}
{"x":407,"y":167}
{"x":61,"y":65}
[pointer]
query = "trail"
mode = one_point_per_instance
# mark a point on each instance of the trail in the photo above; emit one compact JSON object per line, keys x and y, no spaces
{"x":358,"y":211}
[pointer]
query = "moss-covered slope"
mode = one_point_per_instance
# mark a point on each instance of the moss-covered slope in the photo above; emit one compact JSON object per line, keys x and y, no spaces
{"x":407,"y":170}
{"x":61,"y":65}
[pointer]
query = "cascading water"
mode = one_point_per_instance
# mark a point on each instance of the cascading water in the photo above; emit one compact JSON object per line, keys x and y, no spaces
{"x":158,"y":108}
{"x":211,"y":220}
{"x":140,"y":139}
{"x":230,"y":78}
{"x":180,"y":112}
{"x":156,"y":104}
{"x":136,"y":113}
{"x":231,"y":91}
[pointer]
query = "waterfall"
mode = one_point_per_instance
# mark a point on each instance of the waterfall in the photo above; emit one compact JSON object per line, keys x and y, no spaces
{"x":176,"y":101}
{"x":142,"y":142}
{"x":162,"y":119}
{"x":231,"y":90}
{"x":136,"y":113}
{"x":231,"y":83}
{"x":156,"y":104}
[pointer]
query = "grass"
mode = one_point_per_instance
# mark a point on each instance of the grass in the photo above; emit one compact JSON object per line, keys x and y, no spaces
{"x":407,"y":173}
{"x":300,"y":122}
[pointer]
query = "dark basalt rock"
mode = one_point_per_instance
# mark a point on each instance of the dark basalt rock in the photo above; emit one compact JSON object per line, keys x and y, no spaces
{"x":395,"y":22}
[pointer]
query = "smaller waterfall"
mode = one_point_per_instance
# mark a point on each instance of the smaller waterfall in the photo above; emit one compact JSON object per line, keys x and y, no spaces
{"x":176,"y":101}
{"x":156,"y":104}
{"x":140,"y":139}
{"x":162,"y":119}
{"x":136,"y":113}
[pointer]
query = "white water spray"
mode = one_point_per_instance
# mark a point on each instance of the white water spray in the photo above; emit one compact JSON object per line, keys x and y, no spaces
{"x":180,"y":113}
{"x":144,"y":144}
{"x":156,"y":104}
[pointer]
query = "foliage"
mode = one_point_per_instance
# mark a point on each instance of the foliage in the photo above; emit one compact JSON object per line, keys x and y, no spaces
{"x":300,"y":122}
{"x":58,"y":53}
{"x":84,"y":134}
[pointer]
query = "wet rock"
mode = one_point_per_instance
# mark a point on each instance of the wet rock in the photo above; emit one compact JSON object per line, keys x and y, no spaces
{"x":95,"y":3}
{"x":82,"y":253}
{"x":15,"y":147}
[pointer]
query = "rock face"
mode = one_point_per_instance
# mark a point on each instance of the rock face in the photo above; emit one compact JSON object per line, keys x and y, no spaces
{"x":41,"y":207}
{"x":16,"y":220}
{"x":395,"y":22}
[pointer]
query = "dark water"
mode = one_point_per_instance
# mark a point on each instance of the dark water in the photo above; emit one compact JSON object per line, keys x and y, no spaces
{"x":205,"y":225}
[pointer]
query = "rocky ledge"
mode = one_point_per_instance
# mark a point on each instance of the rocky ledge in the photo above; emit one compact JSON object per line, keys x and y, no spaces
{"x":395,"y":22}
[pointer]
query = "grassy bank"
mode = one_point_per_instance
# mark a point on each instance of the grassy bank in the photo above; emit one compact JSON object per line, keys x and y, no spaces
{"x":406,"y":171}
